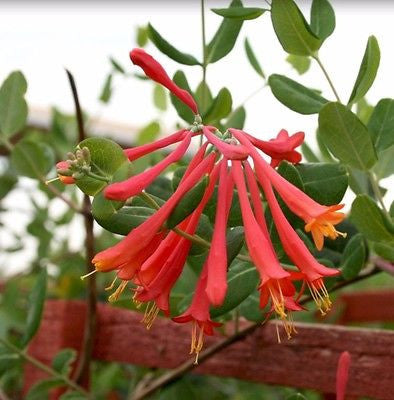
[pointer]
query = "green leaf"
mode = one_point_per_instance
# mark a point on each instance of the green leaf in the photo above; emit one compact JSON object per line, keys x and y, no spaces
{"x":250,"y":308}
{"x":36,"y":301}
{"x":381,"y":124}
{"x":182,"y":109}
{"x":308,"y":153}
{"x":148,"y":133}
{"x":253,"y":59}
{"x":242,"y":280}
{"x":322,"y":19}
{"x":242,"y":13}
{"x":234,"y":242}
{"x":13,"y":107}
{"x":142,"y":36}
{"x":62,"y":361}
{"x":32,"y":159}
{"x":40,"y":390}
{"x":292,"y":30}
{"x":116,"y":66}
{"x":220,"y":107}
{"x":187,"y":204}
{"x":169,"y":50}
{"x":7,"y":181}
{"x":324,"y":182}
{"x":160,"y":97}
{"x":236,"y":119}
{"x":73,"y":396}
{"x":295,"y":96}
{"x":203,"y":97}
{"x":106,"y":91}
{"x":369,"y":220}
{"x":300,"y":63}
{"x":107,"y":157}
{"x":225,"y":37}
{"x":346,"y":136}
{"x":364,"y":110}
{"x":353,"y":257}
{"x":368,"y":70}
{"x":385,"y":165}
{"x":385,"y":250}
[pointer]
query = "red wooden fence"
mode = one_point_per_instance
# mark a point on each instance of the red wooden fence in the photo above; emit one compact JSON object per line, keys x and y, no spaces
{"x":307,"y":361}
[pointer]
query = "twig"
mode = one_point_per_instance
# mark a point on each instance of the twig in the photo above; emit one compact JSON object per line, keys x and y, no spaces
{"x":177,"y":373}
{"x":83,"y":367}
{"x":43,"y":367}
{"x":316,"y":57}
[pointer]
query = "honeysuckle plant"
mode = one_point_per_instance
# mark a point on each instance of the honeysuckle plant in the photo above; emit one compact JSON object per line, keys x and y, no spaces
{"x":211,"y":223}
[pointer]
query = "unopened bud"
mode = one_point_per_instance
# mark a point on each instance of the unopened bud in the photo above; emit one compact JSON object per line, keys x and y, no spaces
{"x":70,"y":156}
{"x":78,"y":175}
{"x":86,"y":169}
{"x":64,"y":172}
{"x":86,"y":154}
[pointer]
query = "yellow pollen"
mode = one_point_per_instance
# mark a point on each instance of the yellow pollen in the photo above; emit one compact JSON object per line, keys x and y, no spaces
{"x":150,"y":315}
{"x":197,"y":340}
{"x":136,"y":302}
{"x":278,"y":303}
{"x":115,"y":295}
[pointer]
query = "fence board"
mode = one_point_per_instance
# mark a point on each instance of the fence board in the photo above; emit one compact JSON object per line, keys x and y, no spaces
{"x":308,"y":360}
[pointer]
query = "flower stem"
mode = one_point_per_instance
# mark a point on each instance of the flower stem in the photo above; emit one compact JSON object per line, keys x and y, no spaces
{"x":316,"y":57}
{"x":204,"y":62}
{"x":43,"y":367}
{"x":98,"y":177}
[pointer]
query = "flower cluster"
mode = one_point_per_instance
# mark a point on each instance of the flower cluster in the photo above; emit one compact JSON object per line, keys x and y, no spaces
{"x":152,"y":256}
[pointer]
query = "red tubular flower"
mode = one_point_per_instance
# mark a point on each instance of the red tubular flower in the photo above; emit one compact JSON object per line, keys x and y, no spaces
{"x":198,"y":314}
{"x":342,"y":374}
{"x":216,"y":287}
{"x":64,"y":165}
{"x":157,"y":73}
{"x":137,"y":183}
{"x":230,"y":151}
{"x":125,"y":251}
{"x":319,"y":219}
{"x":169,"y":269}
{"x":134,"y":153}
{"x":296,"y":249}
{"x":281,"y":148}
{"x":260,"y":250}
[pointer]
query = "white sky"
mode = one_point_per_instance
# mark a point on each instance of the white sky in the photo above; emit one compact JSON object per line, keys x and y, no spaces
{"x":43,"y":38}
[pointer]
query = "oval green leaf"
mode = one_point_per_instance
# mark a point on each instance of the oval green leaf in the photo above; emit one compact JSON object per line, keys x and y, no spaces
{"x":225,"y":37}
{"x":220,"y":108}
{"x":36,"y":301}
{"x":368,"y":70}
{"x":236,"y":119}
{"x":107,"y":157}
{"x":292,"y":30}
{"x":32,"y":159}
{"x":13,"y":107}
{"x":381,"y":124}
{"x":169,"y":50}
{"x":243,"y":13}
{"x":300,"y":63}
{"x":242,"y":280}
{"x":253,"y":59}
{"x":346,"y":136}
{"x":353,"y":257}
{"x":322,"y":19}
{"x":181,"y":108}
{"x":295,"y":96}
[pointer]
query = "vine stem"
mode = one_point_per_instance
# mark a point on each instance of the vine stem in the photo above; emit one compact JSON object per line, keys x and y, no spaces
{"x":177,"y":373}
{"x":193,"y":238}
{"x":82,"y":370}
{"x":43,"y":367}
{"x":316,"y":57}
{"x":204,"y":61}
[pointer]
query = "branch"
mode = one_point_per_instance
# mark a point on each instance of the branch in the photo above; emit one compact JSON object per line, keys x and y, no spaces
{"x":177,"y":373}
{"x":83,"y":367}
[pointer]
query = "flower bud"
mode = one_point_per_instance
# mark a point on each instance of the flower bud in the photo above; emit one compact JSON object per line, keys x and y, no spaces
{"x":64,"y":173}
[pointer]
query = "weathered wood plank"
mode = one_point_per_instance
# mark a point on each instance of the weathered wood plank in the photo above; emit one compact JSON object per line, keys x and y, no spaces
{"x":308,"y":360}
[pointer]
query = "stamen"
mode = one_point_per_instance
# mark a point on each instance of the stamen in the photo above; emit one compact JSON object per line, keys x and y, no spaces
{"x":89,"y":274}
{"x":150,"y":315}
{"x":136,"y":302}
{"x":51,"y":180}
{"x":115,"y":295}
{"x":320,"y":296}
{"x":197,"y":343}
{"x":111,"y":286}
